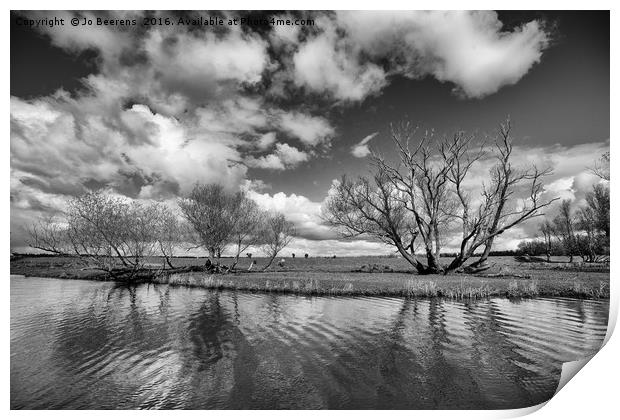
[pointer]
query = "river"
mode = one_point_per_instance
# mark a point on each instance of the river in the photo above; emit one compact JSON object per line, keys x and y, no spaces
{"x":90,"y":345}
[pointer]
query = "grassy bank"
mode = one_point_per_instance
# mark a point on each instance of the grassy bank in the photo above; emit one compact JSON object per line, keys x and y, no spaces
{"x":320,"y":276}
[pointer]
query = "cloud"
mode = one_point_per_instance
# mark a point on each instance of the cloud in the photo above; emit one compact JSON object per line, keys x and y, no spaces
{"x":236,"y":115}
{"x":322,"y":66}
{"x":349,"y":56}
{"x":163,"y":110}
{"x":200,"y":62}
{"x":361,"y":149}
{"x":282,"y":35}
{"x":61,"y":147}
{"x":183,"y":154}
{"x":310,"y":130}
{"x":304,"y":213}
{"x":355,"y":52}
{"x":109,"y":41}
{"x":284,"y":157}
{"x":266,"y":140}
{"x":329,"y":247}
{"x":467,"y":48}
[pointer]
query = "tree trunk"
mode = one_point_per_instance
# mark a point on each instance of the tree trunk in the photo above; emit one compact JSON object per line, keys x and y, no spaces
{"x":273,"y":257}
{"x":215,"y":254}
{"x":485,"y":254}
{"x":455,"y":264}
{"x":411,"y":259}
{"x":433,"y":266}
{"x":236,"y":261}
{"x":234,"y":264}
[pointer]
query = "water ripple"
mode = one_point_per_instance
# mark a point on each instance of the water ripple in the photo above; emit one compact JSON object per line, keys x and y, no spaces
{"x":78,"y":344}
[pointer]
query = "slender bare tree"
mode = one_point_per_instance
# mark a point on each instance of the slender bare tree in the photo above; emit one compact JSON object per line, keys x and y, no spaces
{"x":598,"y":201}
{"x":277,"y":234}
{"x":168,"y":232}
{"x":564,"y":229}
{"x":247,"y":227}
{"x":546,"y":228}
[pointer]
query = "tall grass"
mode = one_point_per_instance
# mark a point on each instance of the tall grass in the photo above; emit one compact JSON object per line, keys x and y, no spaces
{"x":408,"y":288}
{"x":517,"y":289}
{"x":415,"y":288}
{"x":578,"y":289}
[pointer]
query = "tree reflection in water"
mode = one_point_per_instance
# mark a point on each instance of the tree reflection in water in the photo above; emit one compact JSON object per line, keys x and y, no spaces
{"x":93,"y":345}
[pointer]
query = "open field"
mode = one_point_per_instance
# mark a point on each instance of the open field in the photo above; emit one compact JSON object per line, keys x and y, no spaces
{"x":389,"y":277}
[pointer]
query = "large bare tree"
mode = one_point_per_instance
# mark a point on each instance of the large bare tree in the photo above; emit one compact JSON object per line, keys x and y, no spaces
{"x":107,"y":231}
{"x":418,"y":200}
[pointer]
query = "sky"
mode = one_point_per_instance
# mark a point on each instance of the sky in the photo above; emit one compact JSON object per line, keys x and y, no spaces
{"x":285,"y":110}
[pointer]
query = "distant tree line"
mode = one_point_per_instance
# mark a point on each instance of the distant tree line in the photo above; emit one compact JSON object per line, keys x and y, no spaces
{"x":502,"y":253}
{"x":116,"y":233}
{"x":576,"y":231}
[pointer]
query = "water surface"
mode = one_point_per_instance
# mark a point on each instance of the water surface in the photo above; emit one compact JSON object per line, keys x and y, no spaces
{"x":80,"y":344}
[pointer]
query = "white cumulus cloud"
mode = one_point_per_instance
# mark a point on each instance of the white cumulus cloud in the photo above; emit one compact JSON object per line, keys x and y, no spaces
{"x":310,"y":130}
{"x":361,"y":149}
{"x":356,"y":51}
{"x":284,"y":157}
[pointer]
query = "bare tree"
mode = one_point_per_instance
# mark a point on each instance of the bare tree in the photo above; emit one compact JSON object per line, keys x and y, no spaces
{"x":211,"y":212}
{"x":546,"y":228}
{"x":49,"y":235}
{"x":247,"y":227}
{"x":419,"y":199}
{"x":221,"y":218}
{"x":598,"y":201}
{"x":402,"y":204}
{"x":564,"y":228}
{"x":592,"y":221}
{"x":277,"y":234}
{"x":601,"y":167}
{"x":505,"y":180}
{"x":97,"y":229}
{"x":168,"y":232}
{"x":587,"y":243}
{"x":139,"y":239}
{"x":107,"y":231}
